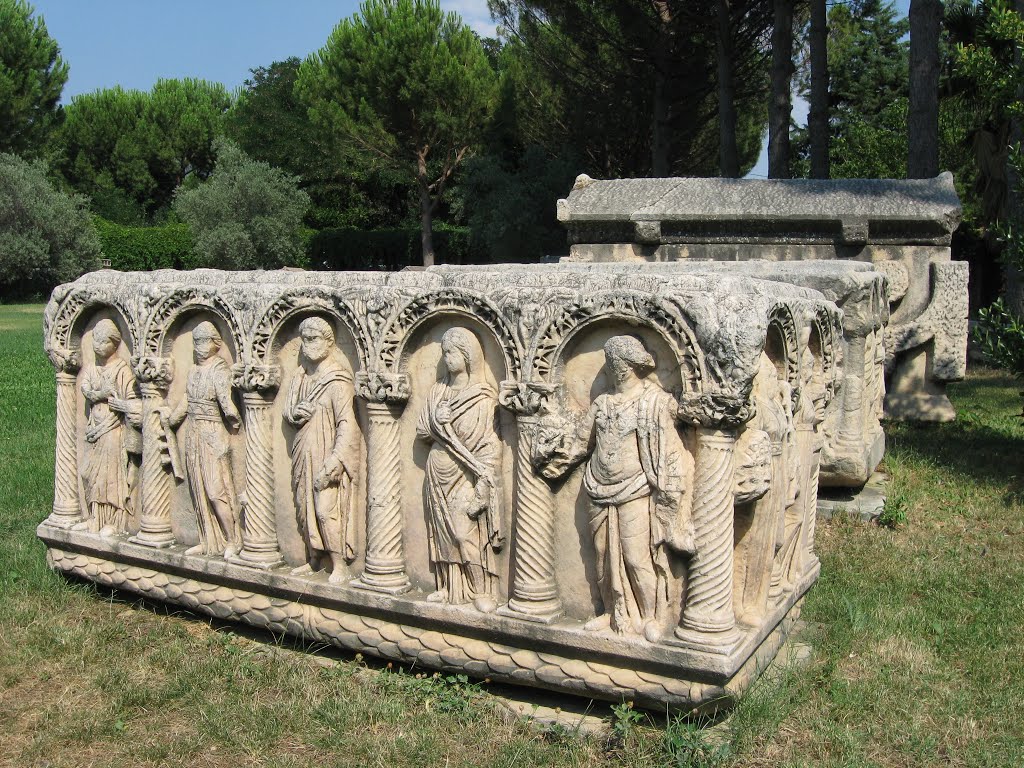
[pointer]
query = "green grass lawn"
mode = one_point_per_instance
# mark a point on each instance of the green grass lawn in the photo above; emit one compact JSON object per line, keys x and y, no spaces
{"x":918,"y":637}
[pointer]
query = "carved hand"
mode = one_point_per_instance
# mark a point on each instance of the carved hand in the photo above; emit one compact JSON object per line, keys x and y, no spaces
{"x":329,"y":474}
{"x":301,"y":413}
{"x":443,"y":414}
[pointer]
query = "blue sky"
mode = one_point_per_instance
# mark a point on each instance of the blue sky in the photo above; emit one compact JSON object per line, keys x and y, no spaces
{"x":132,"y":43}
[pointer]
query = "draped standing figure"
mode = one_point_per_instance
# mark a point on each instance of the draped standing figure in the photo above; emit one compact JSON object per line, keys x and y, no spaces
{"x":637,"y":481}
{"x":210,"y":411}
{"x":319,"y":406}
{"x":113,"y":443}
{"x":461,"y":491}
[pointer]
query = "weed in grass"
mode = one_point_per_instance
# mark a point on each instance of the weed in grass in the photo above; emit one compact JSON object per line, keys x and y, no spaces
{"x":688,"y":745}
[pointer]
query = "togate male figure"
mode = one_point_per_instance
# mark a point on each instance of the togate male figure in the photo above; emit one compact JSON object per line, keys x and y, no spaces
{"x":637,"y":481}
{"x":319,"y":406}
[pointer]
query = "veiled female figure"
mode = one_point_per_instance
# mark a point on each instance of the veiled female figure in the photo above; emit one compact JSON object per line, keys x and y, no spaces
{"x":112,"y":440}
{"x":461,"y":491}
{"x":210,"y":411}
{"x":319,"y":406}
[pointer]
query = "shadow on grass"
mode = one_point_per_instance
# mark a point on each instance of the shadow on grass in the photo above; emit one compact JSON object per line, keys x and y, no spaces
{"x":984,"y":444}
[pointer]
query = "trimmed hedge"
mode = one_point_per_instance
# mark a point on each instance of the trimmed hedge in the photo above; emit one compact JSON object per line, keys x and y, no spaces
{"x":143,"y":248}
{"x":389,"y":249}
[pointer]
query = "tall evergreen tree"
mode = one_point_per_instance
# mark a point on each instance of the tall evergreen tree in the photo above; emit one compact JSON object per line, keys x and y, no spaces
{"x":32,"y":77}
{"x":923,"y":118}
{"x":781,"y":107}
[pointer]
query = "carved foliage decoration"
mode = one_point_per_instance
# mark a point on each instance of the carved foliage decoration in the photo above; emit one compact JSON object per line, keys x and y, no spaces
{"x":781,"y":320}
{"x":447,"y":301}
{"x":168,"y":307}
{"x":62,"y":321}
{"x":827,"y":327}
{"x":309,"y":299}
{"x":633,"y":307}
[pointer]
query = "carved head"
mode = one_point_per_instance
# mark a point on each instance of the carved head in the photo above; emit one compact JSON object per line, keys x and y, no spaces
{"x":105,"y":339}
{"x":206,"y":341}
{"x":625,"y":355}
{"x":317,"y":338}
{"x":461,"y":351}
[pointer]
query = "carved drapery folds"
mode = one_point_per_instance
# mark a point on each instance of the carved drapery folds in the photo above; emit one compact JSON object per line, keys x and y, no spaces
{"x":373,"y":429}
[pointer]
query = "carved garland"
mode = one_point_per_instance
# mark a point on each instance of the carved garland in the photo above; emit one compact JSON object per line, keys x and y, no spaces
{"x":309,"y":299}
{"x":181,"y":300}
{"x":826,"y":325}
{"x":448,"y":300}
{"x":632,"y":306}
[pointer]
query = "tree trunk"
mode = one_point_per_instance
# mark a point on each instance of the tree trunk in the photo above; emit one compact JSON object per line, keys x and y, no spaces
{"x":1014,"y":207}
{"x":426,"y":209}
{"x":817,"y":118}
{"x":923,"y":117}
{"x":728,"y":155}
{"x":660,"y":131}
{"x":780,"y":107}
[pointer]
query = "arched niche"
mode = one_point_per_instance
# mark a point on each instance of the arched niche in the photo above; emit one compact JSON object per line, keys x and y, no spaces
{"x":79,"y":310}
{"x":421,"y":360}
{"x":278,"y":323}
{"x":284,"y":346}
{"x":580,"y":372}
{"x":176,"y":343}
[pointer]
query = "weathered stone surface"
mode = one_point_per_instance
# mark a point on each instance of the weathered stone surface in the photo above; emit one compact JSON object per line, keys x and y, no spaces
{"x":901,"y":227}
{"x":597,"y":480}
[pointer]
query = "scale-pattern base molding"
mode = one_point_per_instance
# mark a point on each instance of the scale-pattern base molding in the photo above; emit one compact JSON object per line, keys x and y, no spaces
{"x":308,"y":618}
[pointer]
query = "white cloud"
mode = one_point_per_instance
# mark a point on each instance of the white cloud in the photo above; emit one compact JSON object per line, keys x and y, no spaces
{"x":475,"y":14}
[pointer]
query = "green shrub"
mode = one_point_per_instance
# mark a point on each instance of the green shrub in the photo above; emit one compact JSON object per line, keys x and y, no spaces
{"x":247,"y":215}
{"x":1000,"y":336}
{"x":45,"y":235}
{"x":143,"y":248}
{"x":389,"y":249}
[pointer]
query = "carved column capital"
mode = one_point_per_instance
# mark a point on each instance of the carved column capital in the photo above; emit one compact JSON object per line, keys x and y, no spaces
{"x":155,"y":371}
{"x":64,"y":360}
{"x":525,"y":398}
{"x":383,"y":387}
{"x":256,"y":379}
{"x":715,"y":410}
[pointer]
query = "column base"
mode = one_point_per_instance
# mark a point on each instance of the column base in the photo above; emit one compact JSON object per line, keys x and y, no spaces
{"x":265,"y":561}
{"x":159,"y":540}
{"x":394,"y":584}
{"x":722,"y":642}
{"x":540,"y":611}
{"x":64,"y":519}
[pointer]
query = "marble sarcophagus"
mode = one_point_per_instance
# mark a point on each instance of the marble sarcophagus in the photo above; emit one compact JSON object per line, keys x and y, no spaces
{"x":601,"y":482}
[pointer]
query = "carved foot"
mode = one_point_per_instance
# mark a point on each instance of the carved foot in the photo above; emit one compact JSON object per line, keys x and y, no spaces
{"x":485,"y":604}
{"x":337,"y":577}
{"x":599,"y":623}
{"x":231,"y":551}
{"x":440,"y":596}
{"x":303,"y":570}
{"x":196,"y":550}
{"x":653,"y":632}
{"x":108,"y":531}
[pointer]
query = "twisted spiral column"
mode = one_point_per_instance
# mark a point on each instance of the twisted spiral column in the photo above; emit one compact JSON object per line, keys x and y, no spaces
{"x":709,"y":622}
{"x":384,"y":570}
{"x":259,"y":528}
{"x":67,"y":508}
{"x":534,"y":589}
{"x":155,"y":518}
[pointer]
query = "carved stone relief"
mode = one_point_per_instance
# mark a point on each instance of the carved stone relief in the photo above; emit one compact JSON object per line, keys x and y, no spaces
{"x":618,"y":471}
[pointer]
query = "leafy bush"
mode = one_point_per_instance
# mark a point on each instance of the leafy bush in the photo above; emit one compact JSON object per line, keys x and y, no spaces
{"x":389,"y":249}
{"x":142,"y":248}
{"x":1000,"y":337}
{"x":247,"y":215}
{"x":46,"y":236}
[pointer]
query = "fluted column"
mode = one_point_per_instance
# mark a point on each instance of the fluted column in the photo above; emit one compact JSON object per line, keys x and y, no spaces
{"x":67,"y":508}
{"x":260,"y":547}
{"x":385,"y":395}
{"x":154,"y":376}
{"x":534,"y":594}
{"x":709,"y":619}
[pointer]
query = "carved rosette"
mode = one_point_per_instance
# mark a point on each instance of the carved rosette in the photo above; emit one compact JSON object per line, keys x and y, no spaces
{"x":154,"y":375}
{"x":260,"y":546}
{"x":385,"y":394}
{"x":67,"y":508}
{"x":534,"y":586}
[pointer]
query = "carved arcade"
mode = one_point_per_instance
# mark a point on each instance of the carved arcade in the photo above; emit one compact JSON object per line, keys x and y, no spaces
{"x":492,"y":461}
